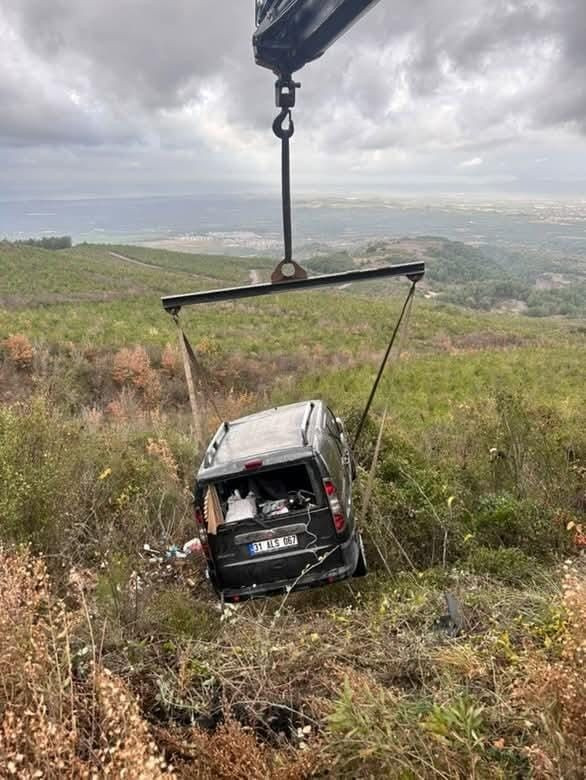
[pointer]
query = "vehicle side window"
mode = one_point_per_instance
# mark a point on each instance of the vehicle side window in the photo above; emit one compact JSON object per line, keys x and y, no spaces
{"x":332,"y":429}
{"x":333,"y":461}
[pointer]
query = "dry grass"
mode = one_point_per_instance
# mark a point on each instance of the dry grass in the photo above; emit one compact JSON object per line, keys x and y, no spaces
{"x":334,"y":685}
{"x":132,"y":367}
{"x":554,"y":690}
{"x":232,"y":752}
{"x":19,"y":351}
{"x":60,"y":714}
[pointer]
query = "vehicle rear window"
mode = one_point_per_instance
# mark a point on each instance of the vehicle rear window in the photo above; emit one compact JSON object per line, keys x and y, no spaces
{"x":269,"y":492}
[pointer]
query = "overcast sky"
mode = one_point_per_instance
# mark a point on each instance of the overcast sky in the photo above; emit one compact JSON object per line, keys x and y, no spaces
{"x":121,"y":97}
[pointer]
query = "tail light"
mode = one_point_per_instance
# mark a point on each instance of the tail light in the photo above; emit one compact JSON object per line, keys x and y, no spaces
{"x":335,"y":506}
{"x":202,"y":531}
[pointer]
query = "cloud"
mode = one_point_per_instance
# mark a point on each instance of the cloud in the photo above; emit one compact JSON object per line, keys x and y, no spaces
{"x":474,"y":162}
{"x":144,"y":52}
{"x":435,"y":84}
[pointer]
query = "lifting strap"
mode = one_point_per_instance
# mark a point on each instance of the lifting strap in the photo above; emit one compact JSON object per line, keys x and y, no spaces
{"x":403,"y":318}
{"x":192,"y":365}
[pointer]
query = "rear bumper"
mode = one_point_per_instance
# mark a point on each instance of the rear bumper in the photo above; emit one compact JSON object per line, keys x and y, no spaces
{"x":309,"y":580}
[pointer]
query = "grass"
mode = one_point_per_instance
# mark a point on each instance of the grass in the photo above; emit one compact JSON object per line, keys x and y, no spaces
{"x":219,"y":267}
{"x":341,"y":321}
{"x":36,"y":277}
{"x":109,"y":661}
{"x":423,"y":389}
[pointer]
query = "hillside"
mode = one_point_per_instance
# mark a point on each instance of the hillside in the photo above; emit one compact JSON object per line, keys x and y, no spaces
{"x":110,"y":660}
{"x":481,"y":278}
{"x":36,"y":277}
{"x":539,"y":284}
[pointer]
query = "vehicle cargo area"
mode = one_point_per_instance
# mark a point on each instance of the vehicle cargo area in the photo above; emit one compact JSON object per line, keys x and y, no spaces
{"x":269,"y":525}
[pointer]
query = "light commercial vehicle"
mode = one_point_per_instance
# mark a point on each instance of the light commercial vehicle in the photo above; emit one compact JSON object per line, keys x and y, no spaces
{"x":273,"y":503}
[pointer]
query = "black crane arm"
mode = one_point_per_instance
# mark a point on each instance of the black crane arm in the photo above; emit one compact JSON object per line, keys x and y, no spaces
{"x":291,"y":33}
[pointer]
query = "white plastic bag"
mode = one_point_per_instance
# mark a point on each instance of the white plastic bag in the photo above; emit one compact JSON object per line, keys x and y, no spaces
{"x":241,"y":508}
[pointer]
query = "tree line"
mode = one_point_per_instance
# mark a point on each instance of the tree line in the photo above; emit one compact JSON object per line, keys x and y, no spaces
{"x":47,"y":242}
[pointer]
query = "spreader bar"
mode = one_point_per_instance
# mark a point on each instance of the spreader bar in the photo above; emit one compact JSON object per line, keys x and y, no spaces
{"x":173,"y":303}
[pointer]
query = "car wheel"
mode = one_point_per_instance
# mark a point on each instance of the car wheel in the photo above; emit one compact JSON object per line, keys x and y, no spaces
{"x":361,"y":569}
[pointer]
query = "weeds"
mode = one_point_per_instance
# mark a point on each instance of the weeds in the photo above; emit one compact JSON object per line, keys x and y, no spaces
{"x":108,"y":663}
{"x":52,"y":720}
{"x":554,"y":690}
{"x":66,"y":487}
{"x":19,"y":351}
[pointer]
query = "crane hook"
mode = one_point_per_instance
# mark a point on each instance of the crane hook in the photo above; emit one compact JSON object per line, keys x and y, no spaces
{"x":278,"y":125}
{"x":285,"y":89}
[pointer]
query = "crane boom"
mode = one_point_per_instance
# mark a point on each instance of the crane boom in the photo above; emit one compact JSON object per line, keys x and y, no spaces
{"x":291,"y":33}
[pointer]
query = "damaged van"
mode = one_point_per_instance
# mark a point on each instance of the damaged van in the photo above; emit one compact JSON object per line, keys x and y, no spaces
{"x":273,"y":503}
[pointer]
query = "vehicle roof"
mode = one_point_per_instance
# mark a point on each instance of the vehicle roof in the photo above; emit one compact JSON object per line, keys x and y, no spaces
{"x":276,"y":435}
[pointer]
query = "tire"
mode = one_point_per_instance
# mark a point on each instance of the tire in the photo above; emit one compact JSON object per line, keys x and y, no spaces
{"x":361,"y":569}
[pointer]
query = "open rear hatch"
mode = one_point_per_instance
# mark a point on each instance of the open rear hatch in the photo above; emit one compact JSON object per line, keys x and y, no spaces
{"x":273,"y":525}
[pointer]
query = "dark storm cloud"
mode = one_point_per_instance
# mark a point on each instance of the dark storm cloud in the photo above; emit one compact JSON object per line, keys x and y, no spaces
{"x":145,"y":51}
{"x":566,"y":99}
{"x":154,"y":55}
{"x":414,"y":77}
{"x":440,"y":43}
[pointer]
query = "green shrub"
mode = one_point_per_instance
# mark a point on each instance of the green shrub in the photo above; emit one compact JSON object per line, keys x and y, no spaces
{"x":380,"y":732}
{"x":505,"y":521}
{"x":178,"y":613}
{"x":70,"y":490}
{"x":508,"y":564}
{"x":37,"y":475}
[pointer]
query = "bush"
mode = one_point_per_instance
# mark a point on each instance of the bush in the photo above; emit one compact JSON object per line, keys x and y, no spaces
{"x":36,"y":476}
{"x":65,"y":487}
{"x":132,"y":367}
{"x":19,"y":351}
{"x":508,"y":564}
{"x":376,"y":732}
{"x":413,"y":520}
{"x":498,"y":476}
{"x":48,"y":242}
{"x":505,"y":521}
{"x":232,"y":752}
{"x":177,"y":613}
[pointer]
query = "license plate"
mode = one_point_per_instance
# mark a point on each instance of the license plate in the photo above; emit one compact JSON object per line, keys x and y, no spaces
{"x":272,"y":545}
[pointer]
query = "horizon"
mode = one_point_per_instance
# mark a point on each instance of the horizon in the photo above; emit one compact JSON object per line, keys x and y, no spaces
{"x":327,"y":195}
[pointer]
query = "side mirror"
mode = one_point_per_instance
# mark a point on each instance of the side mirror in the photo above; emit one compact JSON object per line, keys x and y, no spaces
{"x":340,"y":425}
